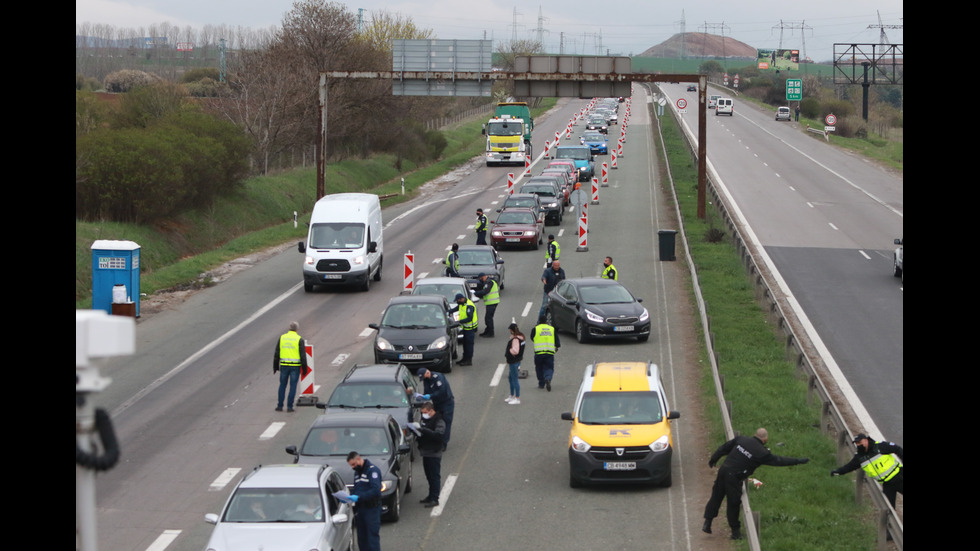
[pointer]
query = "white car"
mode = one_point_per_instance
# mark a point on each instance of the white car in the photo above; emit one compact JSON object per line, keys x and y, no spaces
{"x":783,"y":114}
{"x":284,"y":507}
{"x":897,"y":259}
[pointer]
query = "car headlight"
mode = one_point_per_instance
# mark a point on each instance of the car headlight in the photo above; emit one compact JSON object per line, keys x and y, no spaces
{"x":645,"y":315}
{"x":383,"y":344}
{"x":551,"y":205}
{"x":496,"y":233}
{"x":439,"y":343}
{"x":660,"y":444}
{"x":530,"y":233}
{"x":592,"y":316}
{"x":358,"y":260}
{"x":309,"y":261}
{"x":385,"y":484}
{"x":580,"y":445}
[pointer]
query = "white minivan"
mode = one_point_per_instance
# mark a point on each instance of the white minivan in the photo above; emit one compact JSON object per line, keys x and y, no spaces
{"x":345,"y":245}
{"x":725,"y":106}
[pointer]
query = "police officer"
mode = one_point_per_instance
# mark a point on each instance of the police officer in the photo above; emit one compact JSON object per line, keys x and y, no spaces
{"x":743,"y":455}
{"x":481,"y":227}
{"x":552,"y":251}
{"x":452,"y":261}
{"x":289,"y":360}
{"x":433,"y":429}
{"x":879,"y":463}
{"x":546,"y":343}
{"x":468,"y":321}
{"x":608,"y":270}
{"x":436,"y":389}
{"x":489,"y":291}
{"x":366,"y":496}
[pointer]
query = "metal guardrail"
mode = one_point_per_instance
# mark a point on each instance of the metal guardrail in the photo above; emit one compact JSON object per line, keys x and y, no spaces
{"x":835,"y":419}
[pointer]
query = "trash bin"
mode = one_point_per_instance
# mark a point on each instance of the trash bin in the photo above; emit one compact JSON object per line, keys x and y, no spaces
{"x":667,"y":238}
{"x":116,"y":277}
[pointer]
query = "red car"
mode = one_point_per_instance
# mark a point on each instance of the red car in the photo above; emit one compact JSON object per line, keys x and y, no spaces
{"x":517,"y":227}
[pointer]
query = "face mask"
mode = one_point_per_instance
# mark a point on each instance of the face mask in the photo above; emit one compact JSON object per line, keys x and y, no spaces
{"x":426,"y":416}
{"x":862,"y":449}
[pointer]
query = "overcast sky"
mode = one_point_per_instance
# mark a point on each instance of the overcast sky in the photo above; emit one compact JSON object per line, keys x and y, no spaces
{"x":592,"y":27}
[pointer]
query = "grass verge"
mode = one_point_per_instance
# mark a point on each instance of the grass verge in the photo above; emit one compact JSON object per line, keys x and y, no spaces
{"x":801,"y":507}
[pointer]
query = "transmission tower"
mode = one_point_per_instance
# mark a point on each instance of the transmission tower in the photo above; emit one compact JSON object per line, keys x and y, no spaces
{"x":791,"y":25}
{"x":683,"y":22}
{"x":882,"y":26}
{"x":541,"y":30}
{"x":722,"y":27}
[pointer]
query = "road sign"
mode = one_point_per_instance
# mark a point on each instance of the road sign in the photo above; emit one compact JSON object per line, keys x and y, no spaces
{"x":681,"y":103}
{"x":794,"y":89}
{"x":831,"y":119}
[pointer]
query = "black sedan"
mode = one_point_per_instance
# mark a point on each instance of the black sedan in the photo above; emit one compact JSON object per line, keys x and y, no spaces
{"x":595,"y":308}
{"x":418,"y":331}
{"x":376,"y":436}
{"x":480,"y":259}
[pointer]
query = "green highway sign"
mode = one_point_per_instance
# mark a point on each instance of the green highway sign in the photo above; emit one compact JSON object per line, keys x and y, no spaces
{"x":794,"y":89}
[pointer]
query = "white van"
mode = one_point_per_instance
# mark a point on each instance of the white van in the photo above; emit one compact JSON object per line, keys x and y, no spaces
{"x":344,"y":245}
{"x":726,"y":106}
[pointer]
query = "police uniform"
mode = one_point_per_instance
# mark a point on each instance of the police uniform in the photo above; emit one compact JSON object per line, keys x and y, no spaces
{"x":546,"y":343}
{"x":552,"y":252}
{"x":610,"y":272}
{"x":878,"y":463}
{"x":367,"y":509}
{"x":441,"y":395}
{"x":469,"y":322}
{"x":289,"y":360}
{"x":481,"y":228}
{"x":490,"y":293}
{"x":452,"y":264}
{"x":743,"y":455}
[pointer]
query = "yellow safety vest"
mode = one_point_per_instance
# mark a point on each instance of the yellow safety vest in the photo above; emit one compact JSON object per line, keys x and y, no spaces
{"x":547,"y":254}
{"x":453,"y":262}
{"x":481,"y":224}
{"x":610,"y":272}
{"x":468,"y":324}
{"x":544,"y":339}
{"x":493,"y":297}
{"x":289,"y":353}
{"x":881,"y":467}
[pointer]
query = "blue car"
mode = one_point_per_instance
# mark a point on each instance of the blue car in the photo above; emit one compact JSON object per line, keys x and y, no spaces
{"x":597,"y":142}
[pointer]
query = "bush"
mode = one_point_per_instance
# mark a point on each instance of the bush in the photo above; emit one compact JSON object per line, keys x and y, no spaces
{"x":200,"y":73}
{"x":128,"y":79}
{"x":810,"y":108}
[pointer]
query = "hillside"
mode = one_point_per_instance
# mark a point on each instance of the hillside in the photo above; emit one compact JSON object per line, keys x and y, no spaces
{"x":701,"y":45}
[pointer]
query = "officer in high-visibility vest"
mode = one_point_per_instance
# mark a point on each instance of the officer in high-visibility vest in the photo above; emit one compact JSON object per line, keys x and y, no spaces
{"x":546,"y":343}
{"x":552,"y":251}
{"x":469,"y":322}
{"x":289,"y":361}
{"x":608,"y":270}
{"x":877,"y":459}
{"x":489,"y":291}
{"x":481,"y":227}
{"x":452,"y":261}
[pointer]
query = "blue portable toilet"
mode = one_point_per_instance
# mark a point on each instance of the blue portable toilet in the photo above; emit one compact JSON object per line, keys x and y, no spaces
{"x":116,"y":263}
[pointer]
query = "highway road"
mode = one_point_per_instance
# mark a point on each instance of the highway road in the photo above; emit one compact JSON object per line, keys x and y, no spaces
{"x":826,"y":219}
{"x":194,"y":407}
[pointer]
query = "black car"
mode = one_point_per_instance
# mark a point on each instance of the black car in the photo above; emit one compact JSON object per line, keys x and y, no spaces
{"x":552,"y":198}
{"x":480,"y":259}
{"x":418,"y":331}
{"x":595,"y":308}
{"x":375,"y":436}
{"x":378,"y":387}
{"x":525,"y":200}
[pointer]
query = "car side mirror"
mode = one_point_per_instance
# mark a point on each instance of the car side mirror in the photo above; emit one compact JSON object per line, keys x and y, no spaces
{"x":674,"y":415}
{"x":301,"y":246}
{"x":211,"y":518}
{"x":374,"y":326}
{"x":373,"y":247}
{"x":291,"y":450}
{"x":567,"y":416}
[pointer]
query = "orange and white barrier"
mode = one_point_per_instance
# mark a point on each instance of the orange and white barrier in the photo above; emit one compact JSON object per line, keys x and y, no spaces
{"x":409,"y":277}
{"x":613,"y":153}
{"x":306,"y":396}
{"x":595,"y":190}
{"x":583,"y":230}
{"x":605,"y":175}
{"x":510,"y":183}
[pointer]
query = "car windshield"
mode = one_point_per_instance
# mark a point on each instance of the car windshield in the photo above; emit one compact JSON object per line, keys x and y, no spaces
{"x":620,"y":408}
{"x":414,"y":316}
{"x":605,"y":294}
{"x":572,"y":153}
{"x":597,"y":120}
{"x":328,"y":441}
{"x":521,"y":202}
{"x":368,"y":395}
{"x":516,"y":218}
{"x":505,"y":129}
{"x":475,"y":258}
{"x":275,"y":505}
{"x":539,"y":190}
{"x":592,"y":137}
{"x":448,"y":290}
{"x":337,"y":235}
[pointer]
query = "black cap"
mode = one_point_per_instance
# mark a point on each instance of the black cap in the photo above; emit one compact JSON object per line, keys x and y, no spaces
{"x":421,"y":372}
{"x":859,"y":437}
{"x":459,"y":296}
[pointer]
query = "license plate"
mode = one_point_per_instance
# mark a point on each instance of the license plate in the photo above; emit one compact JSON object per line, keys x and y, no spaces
{"x":619,"y":465}
{"x":623,"y":328}
{"x":409,"y":356}
{"x":513,"y":239}
{"x":333,"y":276}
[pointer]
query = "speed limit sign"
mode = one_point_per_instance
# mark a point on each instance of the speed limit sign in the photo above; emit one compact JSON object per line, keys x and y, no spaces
{"x":831,"y":120}
{"x":681,"y":103}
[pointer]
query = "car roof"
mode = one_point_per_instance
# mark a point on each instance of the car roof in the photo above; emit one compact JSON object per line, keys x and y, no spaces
{"x":374,"y":372}
{"x":593,"y":281}
{"x":417,"y":299}
{"x":440,"y":281}
{"x":528,"y":210}
{"x":475,"y":248}
{"x":351,"y":419}
{"x":531,"y":196}
{"x":283,"y":476}
{"x":622,"y":376}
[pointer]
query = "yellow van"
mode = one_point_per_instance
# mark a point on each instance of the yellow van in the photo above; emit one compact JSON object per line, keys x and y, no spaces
{"x":620,"y":426}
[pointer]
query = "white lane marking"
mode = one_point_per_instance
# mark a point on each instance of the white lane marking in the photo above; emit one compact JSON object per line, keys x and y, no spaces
{"x":444,"y":494}
{"x":527,"y":308}
{"x":223,"y":479}
{"x":272,"y":431}
{"x":495,"y":380}
{"x":865,"y":255}
{"x":163,"y":540}
{"x":366,"y":332}
{"x":341,"y":358}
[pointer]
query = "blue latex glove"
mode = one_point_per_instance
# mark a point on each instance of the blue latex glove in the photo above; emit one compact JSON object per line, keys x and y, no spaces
{"x":354,"y":498}
{"x":426,"y":396}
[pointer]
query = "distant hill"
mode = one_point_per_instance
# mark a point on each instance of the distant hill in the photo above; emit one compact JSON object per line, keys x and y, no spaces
{"x":701,"y":45}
